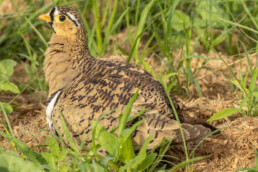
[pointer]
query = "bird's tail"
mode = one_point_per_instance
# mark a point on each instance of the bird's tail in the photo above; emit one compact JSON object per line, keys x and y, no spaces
{"x":167,"y":128}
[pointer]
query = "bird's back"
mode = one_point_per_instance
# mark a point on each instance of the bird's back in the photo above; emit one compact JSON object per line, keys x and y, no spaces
{"x":107,"y":86}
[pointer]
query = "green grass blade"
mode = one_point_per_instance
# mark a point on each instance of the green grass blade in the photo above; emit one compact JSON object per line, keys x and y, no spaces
{"x":142,"y":154}
{"x":111,"y":19}
{"x":37,"y":32}
{"x":131,"y":118}
{"x":33,"y":156}
{"x":250,"y":15}
{"x":98,"y":25}
{"x":177,"y":118}
{"x":140,"y":27}
{"x":134,"y":47}
{"x":127,"y":113}
{"x":198,"y":88}
{"x":186,"y":162}
{"x":253,"y":82}
{"x":223,"y":113}
{"x":127,"y":132}
{"x":239,"y":25}
{"x":67,"y":134}
{"x":118,"y":21}
{"x":6,"y":117}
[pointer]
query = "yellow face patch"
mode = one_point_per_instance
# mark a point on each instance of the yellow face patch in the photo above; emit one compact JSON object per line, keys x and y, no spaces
{"x":60,"y":18}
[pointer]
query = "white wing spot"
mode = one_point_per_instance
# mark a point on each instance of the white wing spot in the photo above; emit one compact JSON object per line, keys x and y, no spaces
{"x":50,"y":108}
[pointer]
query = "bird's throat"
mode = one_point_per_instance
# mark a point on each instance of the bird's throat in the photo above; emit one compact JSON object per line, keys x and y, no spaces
{"x":64,"y":60}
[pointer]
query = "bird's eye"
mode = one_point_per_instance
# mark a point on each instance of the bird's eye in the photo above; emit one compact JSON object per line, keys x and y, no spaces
{"x":62,"y":18}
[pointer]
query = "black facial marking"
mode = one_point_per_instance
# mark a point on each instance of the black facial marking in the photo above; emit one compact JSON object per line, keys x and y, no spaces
{"x":76,"y":24}
{"x":51,"y":14}
{"x":51,"y":24}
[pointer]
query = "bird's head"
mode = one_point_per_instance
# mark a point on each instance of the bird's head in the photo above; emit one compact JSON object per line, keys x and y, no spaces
{"x":64,"y":21}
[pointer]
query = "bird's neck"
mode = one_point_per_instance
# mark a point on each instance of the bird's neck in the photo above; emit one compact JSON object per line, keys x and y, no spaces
{"x":64,"y":60}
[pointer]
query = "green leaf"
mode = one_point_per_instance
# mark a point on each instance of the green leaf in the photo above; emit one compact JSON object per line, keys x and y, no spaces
{"x":97,"y":167}
{"x":243,"y":103}
{"x":236,"y":83}
{"x":125,"y":143}
{"x":170,"y":75}
{"x":6,"y":107}
{"x":11,"y":161}
{"x":50,"y":159}
{"x":142,"y":154}
{"x":106,"y":159}
{"x":6,"y":69}
{"x":180,"y":20}
{"x":223,"y":113}
{"x":147,"y":67}
{"x":9,"y":86}
{"x":209,"y":12}
{"x":63,"y":168}
{"x":54,"y":147}
{"x":126,"y":150}
{"x":147,"y":162}
{"x":126,"y":166}
{"x":255,"y":94}
{"x":219,"y":40}
{"x":105,"y":139}
{"x":245,"y":79}
{"x":63,"y":154}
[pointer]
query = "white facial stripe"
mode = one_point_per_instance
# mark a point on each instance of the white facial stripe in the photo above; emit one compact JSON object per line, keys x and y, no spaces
{"x":56,"y":12}
{"x":73,"y":18}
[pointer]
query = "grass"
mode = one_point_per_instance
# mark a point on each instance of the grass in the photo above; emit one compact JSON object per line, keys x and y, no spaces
{"x":153,"y":27}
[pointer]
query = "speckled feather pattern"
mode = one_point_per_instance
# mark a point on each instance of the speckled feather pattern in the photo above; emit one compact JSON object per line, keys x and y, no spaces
{"x":91,"y":87}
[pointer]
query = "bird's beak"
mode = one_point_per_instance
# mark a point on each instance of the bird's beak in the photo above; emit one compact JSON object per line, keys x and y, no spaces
{"x":44,"y":17}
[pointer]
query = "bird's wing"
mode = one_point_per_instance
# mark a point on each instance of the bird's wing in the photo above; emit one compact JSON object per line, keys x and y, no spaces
{"x":88,"y":98}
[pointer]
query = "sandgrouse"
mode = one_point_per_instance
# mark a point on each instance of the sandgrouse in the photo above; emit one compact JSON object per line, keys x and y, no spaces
{"x":83,"y":88}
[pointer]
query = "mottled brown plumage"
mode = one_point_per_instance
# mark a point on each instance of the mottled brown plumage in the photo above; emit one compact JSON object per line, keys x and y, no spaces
{"x":83,"y":88}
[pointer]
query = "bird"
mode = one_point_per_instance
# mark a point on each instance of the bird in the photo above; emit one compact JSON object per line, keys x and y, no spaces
{"x":83,"y":88}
